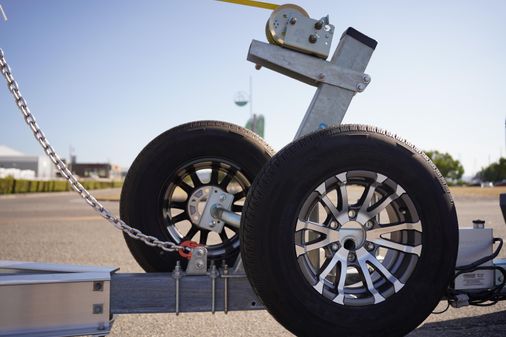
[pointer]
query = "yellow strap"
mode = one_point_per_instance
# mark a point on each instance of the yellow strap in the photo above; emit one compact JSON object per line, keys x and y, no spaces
{"x":252,"y":3}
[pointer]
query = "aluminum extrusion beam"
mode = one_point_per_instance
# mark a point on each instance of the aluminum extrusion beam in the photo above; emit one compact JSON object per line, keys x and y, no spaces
{"x":155,"y":293}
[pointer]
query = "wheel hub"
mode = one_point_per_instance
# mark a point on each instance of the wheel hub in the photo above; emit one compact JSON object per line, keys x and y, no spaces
{"x":353,"y":235}
{"x":201,"y":202}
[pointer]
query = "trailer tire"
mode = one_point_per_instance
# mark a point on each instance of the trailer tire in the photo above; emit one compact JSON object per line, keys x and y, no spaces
{"x":157,"y":188}
{"x":355,"y":291}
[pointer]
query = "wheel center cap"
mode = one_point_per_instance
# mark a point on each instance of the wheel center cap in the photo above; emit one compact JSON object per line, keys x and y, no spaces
{"x":352,"y":235}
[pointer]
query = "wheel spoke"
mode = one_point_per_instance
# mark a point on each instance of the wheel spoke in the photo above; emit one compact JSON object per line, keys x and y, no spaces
{"x":214,"y":174}
{"x":185,"y":187}
{"x":321,"y":277}
{"x":343,"y":271}
{"x":237,"y":208}
{"x":343,"y":193}
{"x":224,"y":237}
{"x":239,"y":195}
{"x":365,"y":214}
{"x":195,"y":179}
{"x":331,"y":236}
{"x":415,"y":250}
{"x":191,"y":233}
{"x":329,"y":205}
{"x":204,"y":233}
{"x":320,"y":228}
{"x":364,"y":271}
{"x":368,"y":257}
{"x":377,"y":232}
{"x":177,"y":204}
{"x":366,"y":198}
{"x":299,"y":250}
{"x":180,"y":217}
{"x":228,"y":178}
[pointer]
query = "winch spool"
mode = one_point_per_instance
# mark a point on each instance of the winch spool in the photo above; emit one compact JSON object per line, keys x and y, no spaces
{"x":290,"y":26}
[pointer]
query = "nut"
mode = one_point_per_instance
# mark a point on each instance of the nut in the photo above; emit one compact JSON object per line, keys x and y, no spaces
{"x":369,"y":225}
{"x":313,"y":38}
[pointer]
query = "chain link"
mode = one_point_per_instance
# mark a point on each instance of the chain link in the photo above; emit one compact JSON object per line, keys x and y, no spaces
{"x":65,"y":172}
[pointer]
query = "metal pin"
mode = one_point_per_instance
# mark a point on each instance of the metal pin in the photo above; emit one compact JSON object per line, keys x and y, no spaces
{"x":177,"y":275}
{"x":225,"y":292}
{"x":3,"y":13}
{"x":214,"y":275}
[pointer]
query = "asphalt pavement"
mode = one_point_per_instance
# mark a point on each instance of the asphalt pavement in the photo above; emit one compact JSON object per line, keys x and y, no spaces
{"x":61,"y":228}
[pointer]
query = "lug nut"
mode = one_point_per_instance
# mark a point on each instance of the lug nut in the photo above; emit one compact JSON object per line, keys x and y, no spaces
{"x":369,"y":225}
{"x":333,"y":225}
{"x":369,"y":246}
{"x":352,"y":213}
{"x":351,"y":257}
{"x":334,"y":247}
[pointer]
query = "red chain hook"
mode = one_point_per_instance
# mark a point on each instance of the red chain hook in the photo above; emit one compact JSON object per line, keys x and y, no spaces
{"x":186,"y":252}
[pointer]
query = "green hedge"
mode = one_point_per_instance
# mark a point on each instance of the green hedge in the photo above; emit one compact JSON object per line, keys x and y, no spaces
{"x":10,"y":185}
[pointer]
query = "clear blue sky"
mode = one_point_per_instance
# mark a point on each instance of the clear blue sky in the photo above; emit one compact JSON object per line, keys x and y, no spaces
{"x":108,"y":76}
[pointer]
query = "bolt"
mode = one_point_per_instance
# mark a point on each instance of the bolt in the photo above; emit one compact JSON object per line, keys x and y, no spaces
{"x":360,"y":87}
{"x":199,"y":252}
{"x":321,"y":76}
{"x":212,"y":223}
{"x":98,"y":286}
{"x":223,"y":197}
{"x":352,"y":213}
{"x":333,"y":225}
{"x":366,"y":78}
{"x":313,"y":38}
{"x":351,"y":257}
{"x":319,"y":25}
{"x":199,"y":265}
{"x":369,"y":225}
{"x":370,"y":246}
{"x":293,"y":20}
{"x":334,"y":247}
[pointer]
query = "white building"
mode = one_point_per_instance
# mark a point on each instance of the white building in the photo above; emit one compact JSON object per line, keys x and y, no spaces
{"x":19,"y":165}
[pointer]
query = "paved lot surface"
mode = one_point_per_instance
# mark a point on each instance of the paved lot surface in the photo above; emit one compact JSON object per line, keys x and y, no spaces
{"x":61,"y":228}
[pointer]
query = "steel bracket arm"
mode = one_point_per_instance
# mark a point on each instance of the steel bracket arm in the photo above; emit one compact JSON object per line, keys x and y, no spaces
{"x":308,"y":69}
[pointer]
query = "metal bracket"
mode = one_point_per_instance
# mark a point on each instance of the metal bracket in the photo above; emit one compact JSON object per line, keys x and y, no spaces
{"x":337,"y":80}
{"x":219,"y":199}
{"x":306,"y":68}
{"x":198,"y":262}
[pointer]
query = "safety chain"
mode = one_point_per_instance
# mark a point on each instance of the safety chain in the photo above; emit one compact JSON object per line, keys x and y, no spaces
{"x":65,"y":172}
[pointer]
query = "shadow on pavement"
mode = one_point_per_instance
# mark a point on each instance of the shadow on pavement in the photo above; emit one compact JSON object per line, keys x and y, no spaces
{"x":489,"y":325}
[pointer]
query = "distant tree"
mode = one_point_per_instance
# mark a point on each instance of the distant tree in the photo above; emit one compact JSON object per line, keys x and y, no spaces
{"x":450,"y":168}
{"x":493,"y":172}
